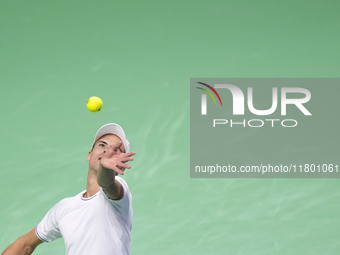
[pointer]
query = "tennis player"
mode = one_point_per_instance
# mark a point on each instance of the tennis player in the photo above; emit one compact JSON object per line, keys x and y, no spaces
{"x":97,"y":220}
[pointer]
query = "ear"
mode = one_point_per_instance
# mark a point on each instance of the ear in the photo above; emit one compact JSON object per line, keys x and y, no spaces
{"x":88,"y":156}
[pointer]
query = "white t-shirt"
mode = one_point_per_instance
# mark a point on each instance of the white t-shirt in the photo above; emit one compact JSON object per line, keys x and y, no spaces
{"x":90,"y":226}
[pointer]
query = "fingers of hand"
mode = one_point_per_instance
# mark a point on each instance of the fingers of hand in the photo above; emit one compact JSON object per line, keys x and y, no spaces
{"x":117,"y":145}
{"x":122,"y":165}
{"x":126,"y":159}
{"x":127,"y":156}
{"x":119,"y":170}
{"x":109,"y":152}
{"x":131,"y":153}
{"x":114,"y":165}
{"x":113,"y":150}
{"x":116,"y":161}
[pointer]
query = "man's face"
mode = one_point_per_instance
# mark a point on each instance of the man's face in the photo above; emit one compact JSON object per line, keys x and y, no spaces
{"x":99,"y":149}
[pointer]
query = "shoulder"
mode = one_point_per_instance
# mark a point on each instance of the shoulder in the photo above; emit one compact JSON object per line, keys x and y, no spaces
{"x":125,"y":190}
{"x":123,"y":183}
{"x":124,"y":205}
{"x":127,"y":193}
{"x":117,"y":190}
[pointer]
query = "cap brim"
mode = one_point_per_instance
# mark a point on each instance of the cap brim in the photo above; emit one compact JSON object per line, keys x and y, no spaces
{"x":115,"y":129}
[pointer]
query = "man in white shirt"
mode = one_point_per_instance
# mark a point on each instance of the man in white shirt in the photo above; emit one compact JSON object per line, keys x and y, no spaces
{"x":98,"y":220}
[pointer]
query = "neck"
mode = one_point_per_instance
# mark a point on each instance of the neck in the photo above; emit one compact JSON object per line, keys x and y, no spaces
{"x":92,"y":186}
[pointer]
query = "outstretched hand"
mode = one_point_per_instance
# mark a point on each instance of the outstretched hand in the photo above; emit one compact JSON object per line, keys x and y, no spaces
{"x":115,"y":160}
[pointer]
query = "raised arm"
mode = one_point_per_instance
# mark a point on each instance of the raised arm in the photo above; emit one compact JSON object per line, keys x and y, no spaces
{"x":24,"y":245}
{"x":111,"y":164}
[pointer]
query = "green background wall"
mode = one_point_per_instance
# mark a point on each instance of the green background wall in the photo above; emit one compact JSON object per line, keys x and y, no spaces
{"x":139,"y":56}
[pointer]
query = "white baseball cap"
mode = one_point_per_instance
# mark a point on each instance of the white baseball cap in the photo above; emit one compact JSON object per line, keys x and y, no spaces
{"x":115,"y":129}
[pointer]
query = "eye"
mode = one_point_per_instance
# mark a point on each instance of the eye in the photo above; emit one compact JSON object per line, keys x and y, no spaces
{"x":101,"y":145}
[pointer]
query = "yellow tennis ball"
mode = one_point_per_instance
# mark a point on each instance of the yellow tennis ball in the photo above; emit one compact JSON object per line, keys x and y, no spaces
{"x":94,"y":104}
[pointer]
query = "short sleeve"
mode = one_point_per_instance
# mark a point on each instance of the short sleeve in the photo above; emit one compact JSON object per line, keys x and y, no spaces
{"x":48,"y":229}
{"x":123,"y":205}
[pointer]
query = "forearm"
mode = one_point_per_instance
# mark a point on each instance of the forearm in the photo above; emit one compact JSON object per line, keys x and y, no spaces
{"x":106,"y":177}
{"x":19,"y":247}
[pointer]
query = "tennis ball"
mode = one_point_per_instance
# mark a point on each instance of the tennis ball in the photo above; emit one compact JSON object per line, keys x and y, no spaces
{"x":94,"y":104}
